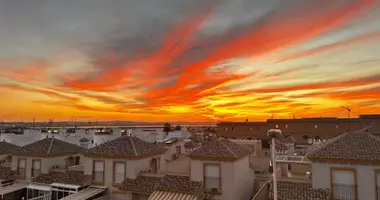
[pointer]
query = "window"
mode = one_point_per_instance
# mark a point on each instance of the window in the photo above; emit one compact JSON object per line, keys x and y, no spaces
{"x":286,"y":126}
{"x":337,"y":126}
{"x":36,"y":168}
{"x":250,"y":129}
{"x":118,"y":172}
{"x":98,"y":171}
{"x":225,"y":128}
{"x":343,"y":181}
{"x":276,"y":125}
{"x":212,"y":179}
{"x":315,"y":125}
{"x":77,"y":160}
{"x":232,"y":128}
{"x":21,"y":166}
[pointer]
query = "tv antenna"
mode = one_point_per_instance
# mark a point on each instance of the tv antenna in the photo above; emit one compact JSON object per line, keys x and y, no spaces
{"x":348,"y":110}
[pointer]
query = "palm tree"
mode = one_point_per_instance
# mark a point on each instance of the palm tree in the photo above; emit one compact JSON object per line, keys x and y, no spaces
{"x":167,"y":128}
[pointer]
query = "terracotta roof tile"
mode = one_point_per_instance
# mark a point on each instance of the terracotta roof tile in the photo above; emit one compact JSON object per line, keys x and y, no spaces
{"x":169,"y":183}
{"x":287,"y":190}
{"x":126,"y":146}
{"x":5,"y":173}
{"x":221,"y":148}
{"x":178,"y":184}
{"x":142,"y":184}
{"x":191,"y":145}
{"x":48,"y":147}
{"x":68,"y":177}
{"x":6,"y":147}
{"x":358,"y":145}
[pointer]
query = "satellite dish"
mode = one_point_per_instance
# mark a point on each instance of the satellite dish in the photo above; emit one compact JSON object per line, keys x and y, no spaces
{"x":274,"y":133}
{"x":310,"y":141}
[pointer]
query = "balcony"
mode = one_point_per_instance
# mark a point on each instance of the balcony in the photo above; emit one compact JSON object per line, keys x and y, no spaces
{"x":344,"y":192}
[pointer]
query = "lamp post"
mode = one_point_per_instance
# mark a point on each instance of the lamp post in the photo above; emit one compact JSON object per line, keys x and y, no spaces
{"x":274,"y":134}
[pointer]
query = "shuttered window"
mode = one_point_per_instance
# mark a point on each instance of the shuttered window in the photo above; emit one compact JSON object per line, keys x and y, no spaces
{"x":98,"y":173}
{"x":119,"y":172}
{"x":212,"y":176}
{"x":343,"y":183}
{"x":36,"y":168}
{"x":21,"y":167}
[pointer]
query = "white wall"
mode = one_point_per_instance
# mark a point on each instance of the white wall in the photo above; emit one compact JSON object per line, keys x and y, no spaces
{"x":365,"y":177}
{"x":133,"y":168}
{"x":227,"y":171}
{"x":243,"y":179}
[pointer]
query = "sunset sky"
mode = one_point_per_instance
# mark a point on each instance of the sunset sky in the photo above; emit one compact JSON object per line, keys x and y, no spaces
{"x":188,"y":60}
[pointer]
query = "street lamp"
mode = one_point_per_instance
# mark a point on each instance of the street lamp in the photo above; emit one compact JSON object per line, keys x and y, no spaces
{"x":274,"y":134}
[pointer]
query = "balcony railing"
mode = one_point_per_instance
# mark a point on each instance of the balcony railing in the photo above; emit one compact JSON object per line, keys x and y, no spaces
{"x":344,"y":192}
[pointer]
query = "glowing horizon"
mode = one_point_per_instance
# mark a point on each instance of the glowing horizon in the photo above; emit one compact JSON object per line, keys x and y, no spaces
{"x":189,"y":61}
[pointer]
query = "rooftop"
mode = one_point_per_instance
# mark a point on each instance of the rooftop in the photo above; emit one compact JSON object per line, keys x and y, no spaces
{"x":178,"y":184}
{"x":220,"y":149}
{"x":288,"y":190}
{"x":48,"y":147}
{"x":68,"y":177}
{"x":191,"y":145}
{"x":360,"y":146}
{"x":142,"y":184}
{"x":6,"y":147}
{"x":126,"y":147}
{"x":168,"y":183}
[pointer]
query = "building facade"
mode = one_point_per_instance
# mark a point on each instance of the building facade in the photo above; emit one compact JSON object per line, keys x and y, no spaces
{"x":298,"y":128}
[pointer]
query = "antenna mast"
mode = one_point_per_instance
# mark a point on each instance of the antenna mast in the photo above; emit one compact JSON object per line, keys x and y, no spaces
{"x":348,"y":110}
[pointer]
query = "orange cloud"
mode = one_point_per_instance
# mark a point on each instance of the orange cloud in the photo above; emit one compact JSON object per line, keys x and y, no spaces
{"x":175,"y":83}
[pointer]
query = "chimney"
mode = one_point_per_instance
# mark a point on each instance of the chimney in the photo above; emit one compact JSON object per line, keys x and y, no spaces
{"x":246,"y":120}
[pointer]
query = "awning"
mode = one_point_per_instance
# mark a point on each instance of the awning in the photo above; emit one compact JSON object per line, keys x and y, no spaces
{"x":161,"y":195}
{"x":65,"y":185}
{"x":39,"y":187}
{"x":12,"y":188}
{"x":85,"y":194}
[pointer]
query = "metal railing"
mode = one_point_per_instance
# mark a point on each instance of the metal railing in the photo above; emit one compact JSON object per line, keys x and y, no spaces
{"x":44,"y":197}
{"x":263,"y":192}
{"x":344,"y":192}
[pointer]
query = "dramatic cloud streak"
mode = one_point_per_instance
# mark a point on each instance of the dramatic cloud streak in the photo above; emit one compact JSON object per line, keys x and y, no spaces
{"x":192,"y":61}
